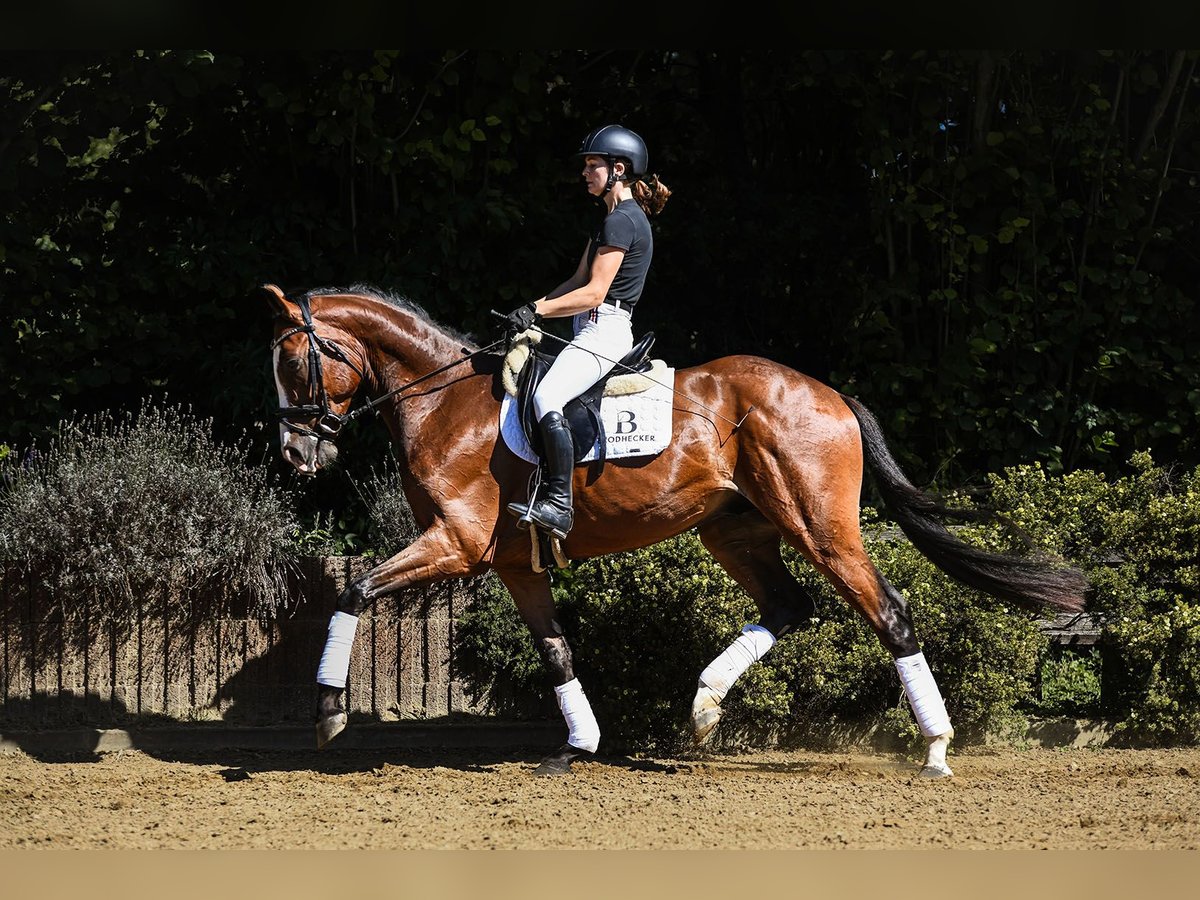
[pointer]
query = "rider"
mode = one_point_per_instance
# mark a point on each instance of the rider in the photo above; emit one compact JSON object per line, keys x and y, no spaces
{"x":601,"y":296}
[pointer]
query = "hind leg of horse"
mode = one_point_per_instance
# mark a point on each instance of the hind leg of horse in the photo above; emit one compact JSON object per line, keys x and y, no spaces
{"x":535,"y":603}
{"x":434,"y":556}
{"x":746,"y":545}
{"x":825,"y":529}
{"x":924,"y":698}
{"x":845,"y":562}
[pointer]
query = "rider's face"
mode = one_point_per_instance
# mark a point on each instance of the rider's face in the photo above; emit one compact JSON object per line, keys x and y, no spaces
{"x":595,"y":173}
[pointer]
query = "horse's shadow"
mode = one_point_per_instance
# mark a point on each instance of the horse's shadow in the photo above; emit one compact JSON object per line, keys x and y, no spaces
{"x":110,"y":728}
{"x":239,"y":764}
{"x":41,"y":727}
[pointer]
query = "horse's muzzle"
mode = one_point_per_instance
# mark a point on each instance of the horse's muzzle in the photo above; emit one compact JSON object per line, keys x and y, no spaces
{"x":306,"y":453}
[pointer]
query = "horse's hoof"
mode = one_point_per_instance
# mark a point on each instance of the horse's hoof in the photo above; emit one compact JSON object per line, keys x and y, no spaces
{"x":704,"y":721}
{"x":330,"y":727}
{"x":935,"y":756}
{"x":706,"y":712}
{"x":553,"y":766}
{"x":559,"y":762}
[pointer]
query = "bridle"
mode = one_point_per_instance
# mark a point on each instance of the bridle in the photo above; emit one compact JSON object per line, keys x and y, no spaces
{"x":328,"y":423}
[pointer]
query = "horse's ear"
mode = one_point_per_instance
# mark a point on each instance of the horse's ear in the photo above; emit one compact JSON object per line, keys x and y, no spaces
{"x":279,"y":303}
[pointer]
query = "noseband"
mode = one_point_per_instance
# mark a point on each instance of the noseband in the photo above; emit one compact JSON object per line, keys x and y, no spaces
{"x":328,"y":423}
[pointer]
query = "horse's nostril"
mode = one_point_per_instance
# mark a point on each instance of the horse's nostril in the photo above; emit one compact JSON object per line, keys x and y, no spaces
{"x":292,"y":455}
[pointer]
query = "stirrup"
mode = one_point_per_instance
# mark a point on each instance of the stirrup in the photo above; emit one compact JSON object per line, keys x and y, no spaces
{"x":552,"y":528}
{"x":521,"y":511}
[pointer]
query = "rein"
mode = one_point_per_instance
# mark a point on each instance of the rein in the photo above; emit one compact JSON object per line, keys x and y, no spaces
{"x":328,"y":422}
{"x":370,"y":405}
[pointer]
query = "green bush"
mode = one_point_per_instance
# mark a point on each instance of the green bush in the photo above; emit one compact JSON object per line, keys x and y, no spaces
{"x":638,"y":634}
{"x":121,"y":515}
{"x":1138,"y":537}
{"x":1162,"y":660}
{"x":495,"y":655}
{"x":642,"y":625}
{"x":1069,"y":683}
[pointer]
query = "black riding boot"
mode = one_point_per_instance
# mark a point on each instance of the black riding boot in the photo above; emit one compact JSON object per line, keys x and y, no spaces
{"x":553,"y":508}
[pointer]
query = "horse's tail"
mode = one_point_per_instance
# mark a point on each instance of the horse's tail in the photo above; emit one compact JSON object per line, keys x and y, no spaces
{"x":1034,"y":583}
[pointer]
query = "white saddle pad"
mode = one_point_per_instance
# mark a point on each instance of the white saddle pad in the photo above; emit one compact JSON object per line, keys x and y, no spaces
{"x":634,"y":425}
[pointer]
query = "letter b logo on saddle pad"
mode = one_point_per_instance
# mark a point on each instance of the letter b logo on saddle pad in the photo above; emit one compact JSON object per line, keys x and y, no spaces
{"x":634,"y":424}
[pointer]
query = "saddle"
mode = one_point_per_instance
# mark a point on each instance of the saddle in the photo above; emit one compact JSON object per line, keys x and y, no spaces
{"x":582,"y":413}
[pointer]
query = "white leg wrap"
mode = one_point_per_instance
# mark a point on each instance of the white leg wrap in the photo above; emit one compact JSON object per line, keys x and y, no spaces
{"x":584,"y":730}
{"x":923,"y":695}
{"x":751,"y":646}
{"x":335,"y":660}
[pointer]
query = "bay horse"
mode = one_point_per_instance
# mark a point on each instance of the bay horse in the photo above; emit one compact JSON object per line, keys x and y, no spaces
{"x":789,"y":471}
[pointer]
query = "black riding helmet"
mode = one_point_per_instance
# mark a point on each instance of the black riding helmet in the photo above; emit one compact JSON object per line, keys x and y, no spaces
{"x":617,"y":142}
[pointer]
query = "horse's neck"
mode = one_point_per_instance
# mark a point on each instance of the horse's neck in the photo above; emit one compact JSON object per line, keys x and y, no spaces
{"x":399,"y":359}
{"x":400,"y":345}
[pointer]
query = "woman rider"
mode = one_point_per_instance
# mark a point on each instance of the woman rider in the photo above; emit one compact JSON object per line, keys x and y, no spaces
{"x":600,"y":296}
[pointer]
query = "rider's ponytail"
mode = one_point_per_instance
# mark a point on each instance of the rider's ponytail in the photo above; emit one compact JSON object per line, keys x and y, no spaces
{"x":651,"y":197}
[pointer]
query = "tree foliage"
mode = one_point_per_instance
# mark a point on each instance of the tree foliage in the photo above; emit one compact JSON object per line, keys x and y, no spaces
{"x":995,"y":249}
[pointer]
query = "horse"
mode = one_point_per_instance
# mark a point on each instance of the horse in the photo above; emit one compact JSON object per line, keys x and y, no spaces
{"x":759,"y":454}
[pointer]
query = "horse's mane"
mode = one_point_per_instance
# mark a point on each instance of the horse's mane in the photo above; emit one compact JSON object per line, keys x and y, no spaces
{"x":398,"y":300}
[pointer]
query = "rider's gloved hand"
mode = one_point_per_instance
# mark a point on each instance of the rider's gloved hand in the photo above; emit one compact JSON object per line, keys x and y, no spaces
{"x":522,"y":317}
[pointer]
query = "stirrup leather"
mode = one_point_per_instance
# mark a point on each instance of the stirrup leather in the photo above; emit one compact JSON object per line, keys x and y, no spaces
{"x":546,"y":550}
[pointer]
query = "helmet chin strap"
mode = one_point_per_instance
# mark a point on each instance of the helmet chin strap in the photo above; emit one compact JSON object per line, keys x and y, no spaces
{"x":612,"y":177}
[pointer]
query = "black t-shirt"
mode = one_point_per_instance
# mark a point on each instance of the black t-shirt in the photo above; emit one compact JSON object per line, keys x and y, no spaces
{"x":628,"y":229}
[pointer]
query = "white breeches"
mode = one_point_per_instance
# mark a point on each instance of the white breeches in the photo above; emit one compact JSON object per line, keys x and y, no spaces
{"x":602,"y":336}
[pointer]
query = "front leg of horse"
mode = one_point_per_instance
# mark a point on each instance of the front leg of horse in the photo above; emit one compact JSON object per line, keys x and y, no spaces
{"x":534,"y":601}
{"x":334,"y":667}
{"x":583,"y":732}
{"x":434,"y":556}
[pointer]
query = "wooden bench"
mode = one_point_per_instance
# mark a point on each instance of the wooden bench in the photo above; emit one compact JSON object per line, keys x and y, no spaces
{"x":1074,"y":629}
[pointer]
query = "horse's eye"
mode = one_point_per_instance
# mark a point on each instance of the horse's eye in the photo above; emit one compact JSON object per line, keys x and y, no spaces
{"x":294,"y":363}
